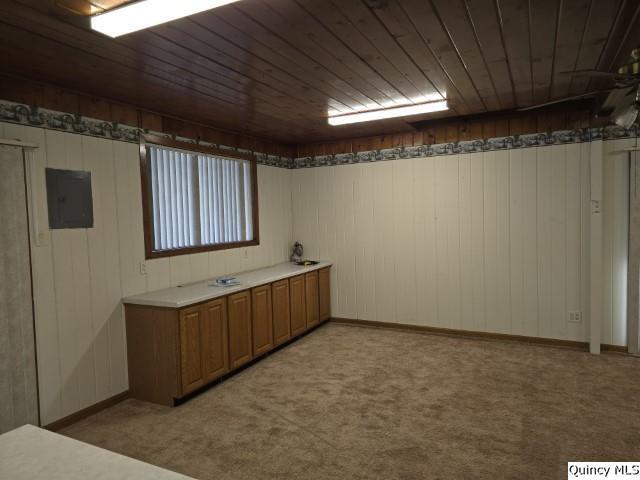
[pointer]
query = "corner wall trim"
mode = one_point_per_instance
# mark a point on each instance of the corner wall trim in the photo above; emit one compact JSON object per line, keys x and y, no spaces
{"x":426,"y":330}
{"x":87,"y":412}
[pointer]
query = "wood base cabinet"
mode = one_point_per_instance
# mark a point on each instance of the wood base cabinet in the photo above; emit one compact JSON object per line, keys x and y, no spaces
{"x":191,"y":339}
{"x":262,"y":320}
{"x":215,"y":344}
{"x":281,"y":311}
{"x":240,"y":338}
{"x":173,"y":352}
{"x":312,"y":299}
{"x":203,"y":344}
{"x":153,"y":353}
{"x":298,"y":302}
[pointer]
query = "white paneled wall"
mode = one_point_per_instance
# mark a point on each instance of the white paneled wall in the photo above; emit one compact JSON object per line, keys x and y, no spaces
{"x":495,"y":241}
{"x":80,"y":275}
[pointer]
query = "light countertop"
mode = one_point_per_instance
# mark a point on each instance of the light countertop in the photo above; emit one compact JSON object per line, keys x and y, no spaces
{"x":32,"y":453}
{"x":179,"y":297}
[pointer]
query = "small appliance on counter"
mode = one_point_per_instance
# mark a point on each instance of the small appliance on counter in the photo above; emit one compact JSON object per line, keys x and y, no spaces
{"x":296,"y":256}
{"x":296,"y":252}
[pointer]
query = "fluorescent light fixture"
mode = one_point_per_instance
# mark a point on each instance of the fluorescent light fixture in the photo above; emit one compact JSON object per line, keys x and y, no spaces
{"x":148,"y":13}
{"x":388,"y":113}
{"x":336,"y":109}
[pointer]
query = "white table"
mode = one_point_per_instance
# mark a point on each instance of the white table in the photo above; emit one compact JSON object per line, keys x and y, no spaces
{"x":32,"y":453}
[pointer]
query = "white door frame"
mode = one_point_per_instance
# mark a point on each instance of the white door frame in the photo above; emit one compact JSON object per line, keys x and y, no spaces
{"x":595,"y":265}
{"x":633,"y":276}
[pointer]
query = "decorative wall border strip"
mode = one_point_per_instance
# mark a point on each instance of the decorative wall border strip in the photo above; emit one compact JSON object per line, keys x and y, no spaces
{"x":39,"y":117}
{"x":470,"y":146}
{"x":21,"y":114}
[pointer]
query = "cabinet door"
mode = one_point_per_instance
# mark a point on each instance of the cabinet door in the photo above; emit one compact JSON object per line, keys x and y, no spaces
{"x":313,"y":306}
{"x":190,"y":349}
{"x":298,"y":310}
{"x":215,"y":358}
{"x":324,"y":294}
{"x":239,"y":329}
{"x":262,"y":319}
{"x":281,"y":311}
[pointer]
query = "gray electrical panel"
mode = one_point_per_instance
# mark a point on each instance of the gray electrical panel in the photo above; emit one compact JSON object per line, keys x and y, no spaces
{"x":69,"y":199}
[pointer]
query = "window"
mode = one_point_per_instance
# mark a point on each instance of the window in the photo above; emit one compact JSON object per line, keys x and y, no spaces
{"x":196,"y":198}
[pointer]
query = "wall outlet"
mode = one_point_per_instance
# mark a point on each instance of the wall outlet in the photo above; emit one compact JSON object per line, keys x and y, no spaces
{"x":143,"y":268}
{"x":575,"y":316}
{"x":41,"y":239}
{"x":246,"y":253}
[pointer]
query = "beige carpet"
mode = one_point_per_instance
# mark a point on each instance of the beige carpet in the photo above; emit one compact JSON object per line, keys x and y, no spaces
{"x":361,"y":403}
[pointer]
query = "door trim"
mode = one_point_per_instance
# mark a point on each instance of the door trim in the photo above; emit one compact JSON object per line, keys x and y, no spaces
{"x":633,"y":248}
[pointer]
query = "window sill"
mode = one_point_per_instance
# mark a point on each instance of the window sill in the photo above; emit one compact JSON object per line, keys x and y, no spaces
{"x":199,"y":249}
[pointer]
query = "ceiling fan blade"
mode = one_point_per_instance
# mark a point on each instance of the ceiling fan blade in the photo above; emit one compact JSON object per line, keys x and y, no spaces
{"x":566,"y":99}
{"x":623,"y":78}
{"x":633,"y":90}
{"x":591,"y":73}
{"x":627,"y":117}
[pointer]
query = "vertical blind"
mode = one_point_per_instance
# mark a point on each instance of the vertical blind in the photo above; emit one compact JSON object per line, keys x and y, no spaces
{"x":199,"y":199}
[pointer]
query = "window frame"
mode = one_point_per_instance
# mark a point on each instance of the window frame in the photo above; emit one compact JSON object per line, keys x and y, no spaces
{"x":147,"y":215}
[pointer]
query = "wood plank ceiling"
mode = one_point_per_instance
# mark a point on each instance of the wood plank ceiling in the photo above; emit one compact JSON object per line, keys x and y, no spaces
{"x":275,"y":68}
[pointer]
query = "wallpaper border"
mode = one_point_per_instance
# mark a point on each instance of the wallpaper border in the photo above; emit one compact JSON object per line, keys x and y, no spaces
{"x":33,"y":116}
{"x":18,"y":113}
{"x":559,"y":137}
